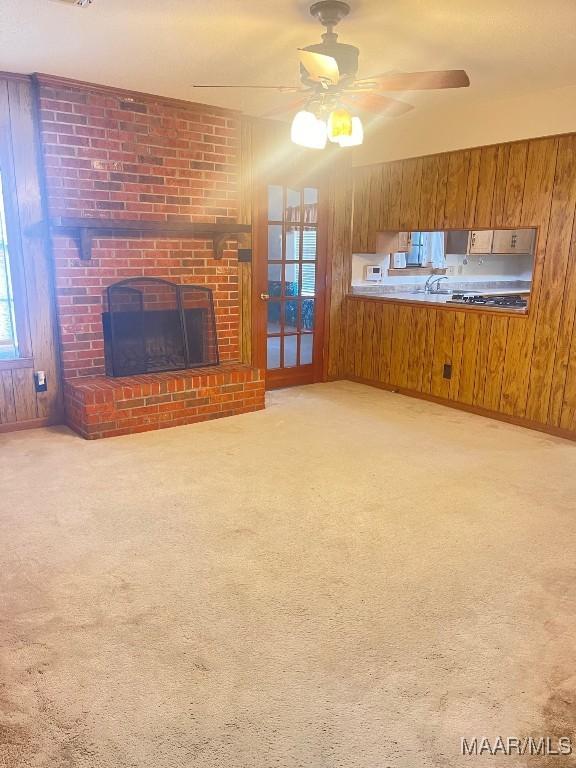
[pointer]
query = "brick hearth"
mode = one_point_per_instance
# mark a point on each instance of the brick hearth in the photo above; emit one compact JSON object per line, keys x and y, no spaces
{"x":106,"y":407}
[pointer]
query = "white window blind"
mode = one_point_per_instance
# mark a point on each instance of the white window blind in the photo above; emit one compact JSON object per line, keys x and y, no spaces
{"x":8,"y":342}
{"x":309,"y":269}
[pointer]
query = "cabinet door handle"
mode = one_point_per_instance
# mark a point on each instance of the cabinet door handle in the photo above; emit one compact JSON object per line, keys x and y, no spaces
{"x":264,"y":296}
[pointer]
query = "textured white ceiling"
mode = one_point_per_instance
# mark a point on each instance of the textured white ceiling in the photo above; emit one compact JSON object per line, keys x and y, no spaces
{"x":510,"y":48}
{"x":166,"y":46}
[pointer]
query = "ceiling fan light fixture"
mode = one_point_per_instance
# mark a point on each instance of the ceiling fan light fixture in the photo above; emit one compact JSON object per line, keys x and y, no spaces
{"x":308,"y":131}
{"x":357,"y":136}
{"x":328,"y":76}
{"x":339,"y":124}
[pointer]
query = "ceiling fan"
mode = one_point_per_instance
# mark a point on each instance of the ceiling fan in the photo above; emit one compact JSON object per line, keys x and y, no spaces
{"x":331,"y":92}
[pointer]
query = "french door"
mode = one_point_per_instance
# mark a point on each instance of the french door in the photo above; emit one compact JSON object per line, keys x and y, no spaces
{"x":290,"y":285}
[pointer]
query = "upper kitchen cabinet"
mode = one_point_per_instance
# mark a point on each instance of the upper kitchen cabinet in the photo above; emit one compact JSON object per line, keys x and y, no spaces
{"x":513,"y":241}
{"x":501,"y":241}
{"x":480,"y":241}
{"x":392,"y":242}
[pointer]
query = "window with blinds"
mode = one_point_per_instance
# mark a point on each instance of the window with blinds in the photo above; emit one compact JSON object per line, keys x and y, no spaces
{"x":309,"y":270}
{"x":415,"y":256}
{"x":8,"y":340}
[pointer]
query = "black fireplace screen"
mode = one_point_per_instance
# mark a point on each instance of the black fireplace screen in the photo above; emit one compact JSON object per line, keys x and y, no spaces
{"x":153,"y":325}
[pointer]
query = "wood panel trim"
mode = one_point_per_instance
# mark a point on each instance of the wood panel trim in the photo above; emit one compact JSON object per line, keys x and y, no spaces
{"x":15,"y":76}
{"x":281,"y":378}
{"x":36,"y":246}
{"x":565,"y":434}
{"x":17,"y":426}
{"x":21,"y":362}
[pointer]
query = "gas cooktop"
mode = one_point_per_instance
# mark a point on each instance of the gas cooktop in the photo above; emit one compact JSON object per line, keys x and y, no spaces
{"x":515,"y":300}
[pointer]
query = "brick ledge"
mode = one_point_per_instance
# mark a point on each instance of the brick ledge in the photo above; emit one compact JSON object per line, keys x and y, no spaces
{"x":101,"y":406}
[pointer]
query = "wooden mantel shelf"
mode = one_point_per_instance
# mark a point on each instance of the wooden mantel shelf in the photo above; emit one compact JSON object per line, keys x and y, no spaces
{"x":86,"y":230}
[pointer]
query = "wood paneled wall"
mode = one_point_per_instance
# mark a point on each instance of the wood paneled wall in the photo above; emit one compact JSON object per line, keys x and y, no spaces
{"x":339,"y":268}
{"x":522,"y":368}
{"x":20,"y":405}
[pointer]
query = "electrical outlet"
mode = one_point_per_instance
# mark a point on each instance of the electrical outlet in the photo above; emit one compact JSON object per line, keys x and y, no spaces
{"x":451,"y":271}
{"x":40,"y":381}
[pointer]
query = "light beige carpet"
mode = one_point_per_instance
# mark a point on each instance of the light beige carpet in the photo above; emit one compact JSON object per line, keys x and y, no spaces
{"x":349,"y":579}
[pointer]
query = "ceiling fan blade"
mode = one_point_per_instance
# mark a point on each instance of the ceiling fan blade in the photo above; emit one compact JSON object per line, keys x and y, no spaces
{"x":320,"y":68}
{"x":417,"y":81}
{"x":376,"y":104}
{"x":281,"y":88}
{"x":301,"y":102}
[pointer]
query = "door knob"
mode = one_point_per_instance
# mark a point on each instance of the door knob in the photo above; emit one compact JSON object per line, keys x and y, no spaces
{"x":264,"y":296}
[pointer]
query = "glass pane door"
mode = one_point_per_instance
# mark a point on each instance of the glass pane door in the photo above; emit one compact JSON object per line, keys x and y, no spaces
{"x":292,"y":275}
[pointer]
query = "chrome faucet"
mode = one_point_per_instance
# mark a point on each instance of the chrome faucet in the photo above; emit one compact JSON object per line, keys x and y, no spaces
{"x":433,"y":281}
{"x":428,"y":281}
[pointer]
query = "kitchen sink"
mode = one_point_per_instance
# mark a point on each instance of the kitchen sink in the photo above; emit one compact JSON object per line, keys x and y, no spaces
{"x":421,"y":291}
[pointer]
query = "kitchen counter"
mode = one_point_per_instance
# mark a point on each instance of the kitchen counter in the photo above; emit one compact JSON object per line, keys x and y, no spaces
{"x":417,"y":296}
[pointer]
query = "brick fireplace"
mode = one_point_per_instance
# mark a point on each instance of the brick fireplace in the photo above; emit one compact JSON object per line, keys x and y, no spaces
{"x":127,"y":157}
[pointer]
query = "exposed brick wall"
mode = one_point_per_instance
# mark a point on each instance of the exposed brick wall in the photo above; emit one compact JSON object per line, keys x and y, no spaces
{"x":110,"y":155}
{"x":105,"y":407}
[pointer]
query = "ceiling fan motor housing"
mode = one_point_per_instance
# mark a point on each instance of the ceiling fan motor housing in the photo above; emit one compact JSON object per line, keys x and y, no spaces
{"x":329,"y":13}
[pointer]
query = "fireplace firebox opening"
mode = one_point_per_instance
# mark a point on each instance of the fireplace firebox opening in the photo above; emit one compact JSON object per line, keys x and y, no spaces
{"x":152,"y":325}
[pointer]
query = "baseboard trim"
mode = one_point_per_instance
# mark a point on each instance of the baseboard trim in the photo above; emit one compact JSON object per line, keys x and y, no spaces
{"x":565,"y":434}
{"x":17,"y":426}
